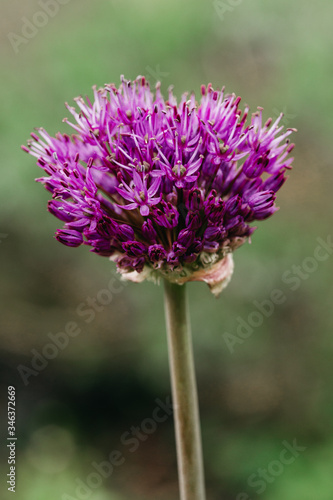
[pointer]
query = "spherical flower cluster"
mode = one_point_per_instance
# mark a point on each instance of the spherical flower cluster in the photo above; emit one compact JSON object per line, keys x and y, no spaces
{"x":163,"y":189}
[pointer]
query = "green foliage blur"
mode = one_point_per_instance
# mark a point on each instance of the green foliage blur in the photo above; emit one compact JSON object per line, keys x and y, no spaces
{"x":259,"y":389}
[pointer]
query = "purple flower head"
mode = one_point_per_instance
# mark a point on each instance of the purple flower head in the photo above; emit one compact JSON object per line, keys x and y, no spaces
{"x":163,"y":188}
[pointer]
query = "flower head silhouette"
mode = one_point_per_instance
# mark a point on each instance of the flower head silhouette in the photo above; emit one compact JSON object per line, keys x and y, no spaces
{"x":163,"y":188}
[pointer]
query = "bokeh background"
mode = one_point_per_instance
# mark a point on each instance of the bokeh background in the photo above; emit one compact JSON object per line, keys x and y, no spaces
{"x":277,"y":384}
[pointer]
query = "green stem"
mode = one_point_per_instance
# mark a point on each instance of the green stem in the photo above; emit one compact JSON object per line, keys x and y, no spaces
{"x":184,"y":394}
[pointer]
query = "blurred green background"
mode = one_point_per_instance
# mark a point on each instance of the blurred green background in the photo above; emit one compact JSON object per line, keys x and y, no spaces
{"x":277,"y":384}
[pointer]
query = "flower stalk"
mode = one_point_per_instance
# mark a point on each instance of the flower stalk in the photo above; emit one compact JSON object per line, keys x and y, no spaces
{"x":184,"y":393}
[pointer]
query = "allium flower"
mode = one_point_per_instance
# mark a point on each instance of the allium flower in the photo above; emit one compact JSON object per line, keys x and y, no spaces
{"x":163,"y":189}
